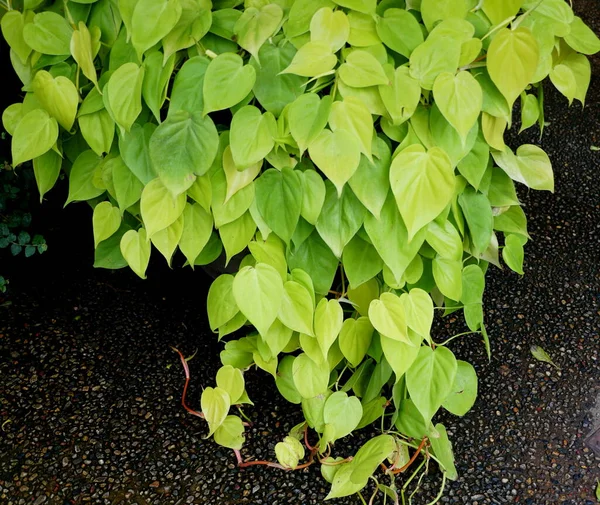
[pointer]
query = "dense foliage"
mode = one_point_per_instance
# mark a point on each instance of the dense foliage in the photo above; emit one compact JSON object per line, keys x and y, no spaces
{"x":352,"y":151}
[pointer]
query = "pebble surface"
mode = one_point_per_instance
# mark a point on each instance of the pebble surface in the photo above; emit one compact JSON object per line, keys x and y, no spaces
{"x":90,"y":390}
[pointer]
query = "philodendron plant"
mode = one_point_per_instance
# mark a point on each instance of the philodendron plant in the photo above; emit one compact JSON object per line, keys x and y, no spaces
{"x":351,"y":151}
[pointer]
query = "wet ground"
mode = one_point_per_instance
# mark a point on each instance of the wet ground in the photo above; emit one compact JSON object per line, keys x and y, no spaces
{"x":90,"y":389}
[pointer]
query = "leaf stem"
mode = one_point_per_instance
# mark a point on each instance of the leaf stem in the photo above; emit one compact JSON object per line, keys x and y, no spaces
{"x":396,"y":471}
{"x":456,"y":336}
{"x":185,"y":387}
{"x":443,"y":486}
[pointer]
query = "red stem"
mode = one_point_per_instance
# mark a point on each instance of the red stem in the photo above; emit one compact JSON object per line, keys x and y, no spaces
{"x":414,"y":456}
{"x":185,"y":387}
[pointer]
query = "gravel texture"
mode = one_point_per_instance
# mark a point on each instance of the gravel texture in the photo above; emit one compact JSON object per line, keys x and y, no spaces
{"x":90,"y":389}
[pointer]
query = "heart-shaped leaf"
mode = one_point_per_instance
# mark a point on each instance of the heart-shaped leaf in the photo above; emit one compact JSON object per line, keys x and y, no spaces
{"x":227,"y":82}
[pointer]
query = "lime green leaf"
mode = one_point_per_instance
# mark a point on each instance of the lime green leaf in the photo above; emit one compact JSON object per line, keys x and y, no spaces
{"x":46,"y":169}
{"x":329,"y":27}
{"x":464,"y":390}
{"x":272,"y":252}
{"x":388,"y":316}
{"x":258,"y":292}
{"x":423,"y":185}
{"x":81,"y":185}
{"x":445,"y":240}
{"x":279,"y":200}
{"x":436,"y":10}
{"x":401,"y":94}
{"x":301,"y":14}
{"x":316,"y":259}
{"x":512,"y":60}
{"x":285,"y":382}
{"x":362,"y":296}
{"x":361,"y":261}
{"x":151,"y":21}
{"x":340,"y":219}
{"x":12,"y":115}
{"x":227,"y":82}
{"x":289,"y":452}
{"x":342,"y":413}
{"x":156,"y":80}
{"x":355,"y":339}
{"x":128,"y":188}
{"x":183,"y":146}
{"x":237,"y":235}
{"x":310,"y":378}
{"x":226,"y":212}
{"x":98,"y":130}
{"x":564,"y":81}
{"x":442,"y":448}
{"x":513,"y":253}
{"x":221,"y":306}
{"x":478,"y":214}
{"x":432,"y":57}
{"x":401,"y":355}
{"x":473,"y":285}
{"x":579,"y":65}
{"x":35,"y":134}
{"x":188,"y":81}
{"x":337,"y":154}
{"x":166,"y":240}
{"x":106,"y":221}
{"x":159,"y":208}
{"x":363,"y":32}
{"x":215,"y":406}
{"x":308,"y":116}
{"x":197,"y":228}
{"x":13,"y":22}
{"x":493,"y":131}
{"x":231,"y":380}
{"x":581,"y":38}
{"x":297,"y":308}
{"x":361,"y":69}
{"x":329,"y":318}
{"x":513,"y":220}
{"x":370,"y":456}
{"x":530,"y":111}
{"x":459,"y":98}
{"x":237,"y":179}
{"x":390,"y":237}
{"x":58,"y":96}
{"x":230,"y":433}
{"x":274,"y":91}
{"x":201,"y":191}
{"x":418,"y":308}
{"x":429,"y":380}
{"x":255,"y":26}
{"x":475,"y":163}
{"x":193,"y":24}
{"x":501,"y":11}
{"x":135,"y":248}
{"x":251,"y":135}
{"x":49,"y":33}
{"x":400,"y":31}
{"x":530,"y":166}
{"x":313,"y":196}
{"x":83,"y":52}
{"x":123,"y":94}
{"x":353,"y":116}
{"x":371,"y":182}
{"x":134,"y":149}
{"x":312,"y":59}
{"x":502,"y":192}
